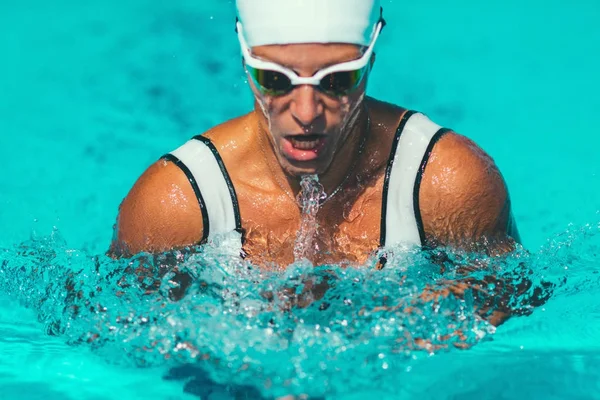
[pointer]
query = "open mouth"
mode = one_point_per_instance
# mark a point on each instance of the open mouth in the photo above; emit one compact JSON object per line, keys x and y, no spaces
{"x":307,"y":142}
{"x":304,"y":147}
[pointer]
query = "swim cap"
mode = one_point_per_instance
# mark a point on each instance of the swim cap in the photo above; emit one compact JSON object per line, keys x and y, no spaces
{"x":267,"y":22}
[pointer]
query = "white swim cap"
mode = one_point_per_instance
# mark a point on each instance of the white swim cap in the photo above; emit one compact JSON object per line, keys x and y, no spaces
{"x":267,"y":22}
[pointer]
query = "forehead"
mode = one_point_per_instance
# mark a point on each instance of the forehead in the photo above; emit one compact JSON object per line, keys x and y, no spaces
{"x":310,"y":56}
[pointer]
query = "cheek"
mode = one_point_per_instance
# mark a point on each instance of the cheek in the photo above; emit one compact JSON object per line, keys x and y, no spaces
{"x":272,"y":110}
{"x":279,"y":114}
{"x":346,"y":111}
{"x":357,"y":95}
{"x":277,"y":118}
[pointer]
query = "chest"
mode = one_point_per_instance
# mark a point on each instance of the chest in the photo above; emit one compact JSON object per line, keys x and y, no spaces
{"x":346,"y":229}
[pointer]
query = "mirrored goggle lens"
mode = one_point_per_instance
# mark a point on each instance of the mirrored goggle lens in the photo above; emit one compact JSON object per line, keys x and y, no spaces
{"x":271,"y":82}
{"x":342,"y":82}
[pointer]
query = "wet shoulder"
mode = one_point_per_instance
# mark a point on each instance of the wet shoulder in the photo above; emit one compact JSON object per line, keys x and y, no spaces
{"x":159,"y":213}
{"x":462,"y":194}
{"x":456,"y":160}
{"x":233,"y":138}
{"x":241,"y":152}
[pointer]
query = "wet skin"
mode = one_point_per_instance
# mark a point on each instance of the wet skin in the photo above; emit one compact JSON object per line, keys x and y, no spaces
{"x":463,"y":197}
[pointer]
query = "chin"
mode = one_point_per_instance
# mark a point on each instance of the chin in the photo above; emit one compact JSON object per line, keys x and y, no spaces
{"x":297,"y":168}
{"x":305,"y":168}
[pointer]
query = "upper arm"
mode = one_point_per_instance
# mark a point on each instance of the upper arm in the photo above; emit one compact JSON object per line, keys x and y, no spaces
{"x":160,"y":213}
{"x":464,"y":200}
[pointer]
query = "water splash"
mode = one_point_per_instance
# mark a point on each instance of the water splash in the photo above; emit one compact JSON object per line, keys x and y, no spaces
{"x":270,"y":330}
{"x":309,"y":198}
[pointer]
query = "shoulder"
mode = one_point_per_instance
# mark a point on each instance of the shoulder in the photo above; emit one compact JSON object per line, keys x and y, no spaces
{"x":159,"y":213}
{"x":162,"y":211}
{"x":463,"y":197}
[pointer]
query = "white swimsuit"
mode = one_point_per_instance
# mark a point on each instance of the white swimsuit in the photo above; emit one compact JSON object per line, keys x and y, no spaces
{"x":400,"y":214}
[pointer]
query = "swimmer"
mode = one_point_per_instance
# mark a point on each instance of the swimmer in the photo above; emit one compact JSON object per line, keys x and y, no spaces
{"x":391,"y":176}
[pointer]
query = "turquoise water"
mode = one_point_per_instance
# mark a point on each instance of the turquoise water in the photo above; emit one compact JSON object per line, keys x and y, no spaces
{"x":92,"y":94}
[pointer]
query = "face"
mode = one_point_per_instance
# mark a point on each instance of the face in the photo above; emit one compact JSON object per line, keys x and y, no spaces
{"x":307,"y":126}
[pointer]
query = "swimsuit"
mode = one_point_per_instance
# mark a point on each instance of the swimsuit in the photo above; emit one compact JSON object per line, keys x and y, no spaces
{"x":400,"y":214}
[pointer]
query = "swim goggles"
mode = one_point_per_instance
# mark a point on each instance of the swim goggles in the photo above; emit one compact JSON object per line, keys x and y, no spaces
{"x":336,"y":80}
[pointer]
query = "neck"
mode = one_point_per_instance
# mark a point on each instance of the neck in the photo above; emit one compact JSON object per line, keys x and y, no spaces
{"x":343,"y":168}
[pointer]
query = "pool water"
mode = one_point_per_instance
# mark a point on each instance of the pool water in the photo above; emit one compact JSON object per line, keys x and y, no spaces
{"x":91,"y":94}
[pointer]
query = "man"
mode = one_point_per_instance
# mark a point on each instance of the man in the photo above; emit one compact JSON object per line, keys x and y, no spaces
{"x":390,"y":175}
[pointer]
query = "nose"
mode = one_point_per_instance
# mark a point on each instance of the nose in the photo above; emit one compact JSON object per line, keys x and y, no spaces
{"x":306,"y":105}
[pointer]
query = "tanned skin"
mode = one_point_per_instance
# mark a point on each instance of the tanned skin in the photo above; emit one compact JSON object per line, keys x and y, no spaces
{"x":463,"y":198}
